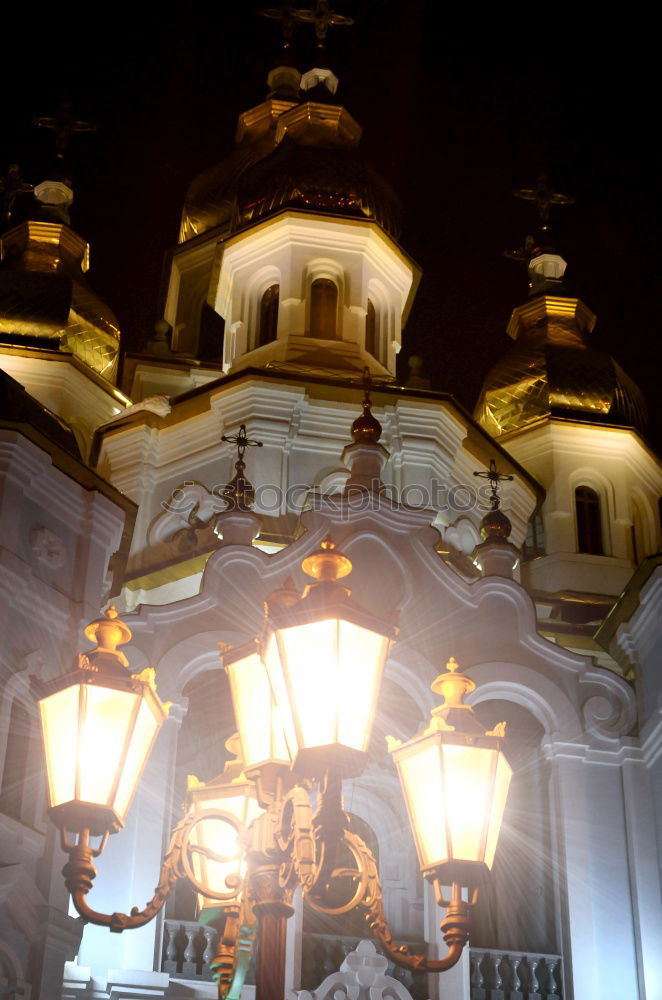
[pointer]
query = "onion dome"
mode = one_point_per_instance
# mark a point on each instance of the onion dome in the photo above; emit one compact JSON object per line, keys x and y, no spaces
{"x":291,"y":155}
{"x":324,"y":178}
{"x":551,"y":369}
{"x":45,"y":301}
{"x":210,"y":198}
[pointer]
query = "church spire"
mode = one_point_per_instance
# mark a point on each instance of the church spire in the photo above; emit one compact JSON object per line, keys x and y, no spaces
{"x":545,"y":265}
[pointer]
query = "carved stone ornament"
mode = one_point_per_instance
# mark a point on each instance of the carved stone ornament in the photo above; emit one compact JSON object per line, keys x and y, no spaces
{"x":47,"y":546}
{"x":362,"y":976}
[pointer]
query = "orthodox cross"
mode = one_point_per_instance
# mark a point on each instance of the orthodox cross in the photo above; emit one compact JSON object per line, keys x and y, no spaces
{"x":495,"y":478}
{"x":287,"y":17}
{"x":239,"y":493}
{"x":323,"y":18}
{"x":11,"y":185}
{"x":63,"y":124}
{"x":544,"y":198}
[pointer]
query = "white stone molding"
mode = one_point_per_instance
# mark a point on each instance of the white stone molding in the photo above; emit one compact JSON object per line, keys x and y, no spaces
{"x":362,"y":976}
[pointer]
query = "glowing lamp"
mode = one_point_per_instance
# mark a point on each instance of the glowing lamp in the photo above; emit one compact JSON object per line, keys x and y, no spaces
{"x":325,"y":658}
{"x":264,"y":749}
{"x":223,"y":810}
{"x":455,"y":780}
{"x":99,"y":723}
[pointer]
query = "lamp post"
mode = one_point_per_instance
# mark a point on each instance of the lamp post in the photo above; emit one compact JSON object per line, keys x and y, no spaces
{"x":304,"y":694}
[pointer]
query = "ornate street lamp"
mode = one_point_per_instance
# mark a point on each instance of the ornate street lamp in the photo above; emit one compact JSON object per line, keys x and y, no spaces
{"x":455,"y":780}
{"x":304,"y":694}
{"x":99,"y":723}
{"x":325,"y":658}
{"x":220,"y":812}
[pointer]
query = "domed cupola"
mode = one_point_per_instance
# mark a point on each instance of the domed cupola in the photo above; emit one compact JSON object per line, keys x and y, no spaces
{"x":552,"y":369}
{"x":46,"y":303}
{"x":288,"y":256}
{"x":316,"y":166}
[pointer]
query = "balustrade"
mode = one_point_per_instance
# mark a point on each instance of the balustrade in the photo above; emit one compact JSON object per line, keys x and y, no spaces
{"x":514,"y":975}
{"x":188,"y":948}
{"x":323,"y":954}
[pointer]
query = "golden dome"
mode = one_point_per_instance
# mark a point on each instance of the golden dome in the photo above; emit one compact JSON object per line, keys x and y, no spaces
{"x":210,"y":198}
{"x":288,"y":154}
{"x":45,"y":301}
{"x":551,"y":370}
{"x":322,"y":179}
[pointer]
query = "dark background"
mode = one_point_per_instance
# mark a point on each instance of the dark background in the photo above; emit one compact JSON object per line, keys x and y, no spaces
{"x":458,"y":107}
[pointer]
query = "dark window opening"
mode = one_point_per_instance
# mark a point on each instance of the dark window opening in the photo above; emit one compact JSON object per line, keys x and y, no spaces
{"x":371,"y":329}
{"x":212,"y":332}
{"x":589,"y":525}
{"x":268,"y":322}
{"x":324,"y":309}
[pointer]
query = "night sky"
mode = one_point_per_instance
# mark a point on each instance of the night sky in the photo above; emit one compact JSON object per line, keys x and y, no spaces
{"x":457,"y":109}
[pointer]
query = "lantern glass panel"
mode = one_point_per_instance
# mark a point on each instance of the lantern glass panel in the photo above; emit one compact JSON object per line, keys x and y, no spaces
{"x":107,"y":716}
{"x":421,"y":778}
{"x":332,"y":668}
{"x":501,"y":785}
{"x":144,"y":733}
{"x":59,"y":723}
{"x":258,"y":719}
{"x":469,"y":776}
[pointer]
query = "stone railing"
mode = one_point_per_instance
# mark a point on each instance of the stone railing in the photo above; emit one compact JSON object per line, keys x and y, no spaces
{"x":188,"y":948}
{"x":515,"y":975}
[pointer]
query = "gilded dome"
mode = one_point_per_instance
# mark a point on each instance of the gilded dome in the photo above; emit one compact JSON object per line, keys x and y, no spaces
{"x":45,"y":301}
{"x":210,"y":198}
{"x":551,"y":370}
{"x":324,"y":179}
{"x":290,"y":155}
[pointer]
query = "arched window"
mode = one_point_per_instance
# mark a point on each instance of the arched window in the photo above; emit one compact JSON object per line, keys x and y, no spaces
{"x":589,"y":524}
{"x":371,"y":329}
{"x":268,"y":322}
{"x":323,"y":309}
{"x":17,"y":760}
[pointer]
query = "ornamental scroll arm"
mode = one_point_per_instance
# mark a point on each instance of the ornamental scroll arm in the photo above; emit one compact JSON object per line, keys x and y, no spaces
{"x":79,"y":874}
{"x":312,"y":849}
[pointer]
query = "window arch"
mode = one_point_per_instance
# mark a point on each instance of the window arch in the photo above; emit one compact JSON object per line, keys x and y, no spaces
{"x":324,"y":309}
{"x":371,"y":329}
{"x":15,"y":772}
{"x":589,"y":521}
{"x":268,"y":318}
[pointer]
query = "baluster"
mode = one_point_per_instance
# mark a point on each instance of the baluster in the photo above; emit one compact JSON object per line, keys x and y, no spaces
{"x":496,"y":977}
{"x":171,"y":946}
{"x":476,"y":978}
{"x":513,"y":962}
{"x":552,"y":984}
{"x":210,"y":942}
{"x":534,"y":983}
{"x":169,"y":956}
{"x":189,"y":967}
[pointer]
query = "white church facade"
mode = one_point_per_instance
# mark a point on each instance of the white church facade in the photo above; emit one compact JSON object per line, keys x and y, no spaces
{"x":287,"y":287}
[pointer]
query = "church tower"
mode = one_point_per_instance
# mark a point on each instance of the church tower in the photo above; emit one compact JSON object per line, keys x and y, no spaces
{"x":57,"y":338}
{"x":288,"y":256}
{"x":567,"y":411}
